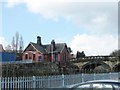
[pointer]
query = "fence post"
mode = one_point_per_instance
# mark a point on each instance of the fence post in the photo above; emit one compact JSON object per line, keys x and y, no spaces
{"x":63,"y":77}
{"x":118,"y":76}
{"x":34,"y":86}
{"x":103,"y":76}
{"x":94,"y":76}
{"x":82,"y":77}
{"x":0,"y":83}
{"x":110,"y":75}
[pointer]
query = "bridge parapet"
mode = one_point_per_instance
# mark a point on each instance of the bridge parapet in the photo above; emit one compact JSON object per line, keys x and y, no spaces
{"x":97,"y":57}
{"x":101,"y":58}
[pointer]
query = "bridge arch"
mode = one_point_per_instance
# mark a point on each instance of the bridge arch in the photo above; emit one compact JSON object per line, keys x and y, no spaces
{"x":116,"y":67}
{"x":95,"y":66}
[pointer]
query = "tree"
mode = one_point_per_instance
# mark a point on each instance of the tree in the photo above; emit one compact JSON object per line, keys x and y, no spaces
{"x":80,"y":54}
{"x":17,"y":43}
{"x":8,"y":48}
{"x":115,"y":53}
{"x":21,"y":44}
{"x":17,"y":40}
{"x":13,"y":44}
{"x":16,"y":46}
{"x":69,"y":49}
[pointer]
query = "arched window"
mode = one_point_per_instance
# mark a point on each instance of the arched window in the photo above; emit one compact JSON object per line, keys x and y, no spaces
{"x":33,"y":56}
{"x":26,"y":56}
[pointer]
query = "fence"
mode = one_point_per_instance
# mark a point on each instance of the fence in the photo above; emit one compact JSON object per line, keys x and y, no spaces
{"x":54,"y":81}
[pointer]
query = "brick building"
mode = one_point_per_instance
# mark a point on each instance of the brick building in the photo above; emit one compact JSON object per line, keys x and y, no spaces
{"x":50,"y":52}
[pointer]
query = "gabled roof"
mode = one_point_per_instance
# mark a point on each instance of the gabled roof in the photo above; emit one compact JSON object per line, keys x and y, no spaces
{"x":58,"y":47}
{"x":40,"y":48}
{"x":48,"y":48}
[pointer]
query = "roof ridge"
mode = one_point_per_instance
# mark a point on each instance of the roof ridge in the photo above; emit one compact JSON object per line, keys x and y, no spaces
{"x":33,"y":43}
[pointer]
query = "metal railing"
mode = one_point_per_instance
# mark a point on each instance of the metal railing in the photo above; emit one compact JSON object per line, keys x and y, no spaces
{"x":54,"y":81}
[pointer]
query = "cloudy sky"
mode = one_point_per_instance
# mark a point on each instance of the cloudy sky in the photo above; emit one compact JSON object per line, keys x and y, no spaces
{"x":91,"y":26}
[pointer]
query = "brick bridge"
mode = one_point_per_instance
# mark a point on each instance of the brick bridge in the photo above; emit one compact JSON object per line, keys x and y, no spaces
{"x":98,"y":64}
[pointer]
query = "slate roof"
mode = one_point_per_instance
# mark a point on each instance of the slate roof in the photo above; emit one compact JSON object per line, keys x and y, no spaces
{"x":58,"y":47}
{"x":48,"y":47}
{"x":39,"y":47}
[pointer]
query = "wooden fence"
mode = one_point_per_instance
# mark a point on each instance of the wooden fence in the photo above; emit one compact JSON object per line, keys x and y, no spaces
{"x":55,"y":81}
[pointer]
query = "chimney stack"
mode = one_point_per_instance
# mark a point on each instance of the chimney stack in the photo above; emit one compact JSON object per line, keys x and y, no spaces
{"x":53,"y":44}
{"x":39,"y":40}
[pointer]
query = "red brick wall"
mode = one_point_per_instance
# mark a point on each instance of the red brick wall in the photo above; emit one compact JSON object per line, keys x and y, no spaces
{"x":58,"y":56}
{"x":30,"y":54}
{"x":64,"y":55}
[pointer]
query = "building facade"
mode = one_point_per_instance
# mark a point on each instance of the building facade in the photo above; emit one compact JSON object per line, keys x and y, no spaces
{"x":50,"y":52}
